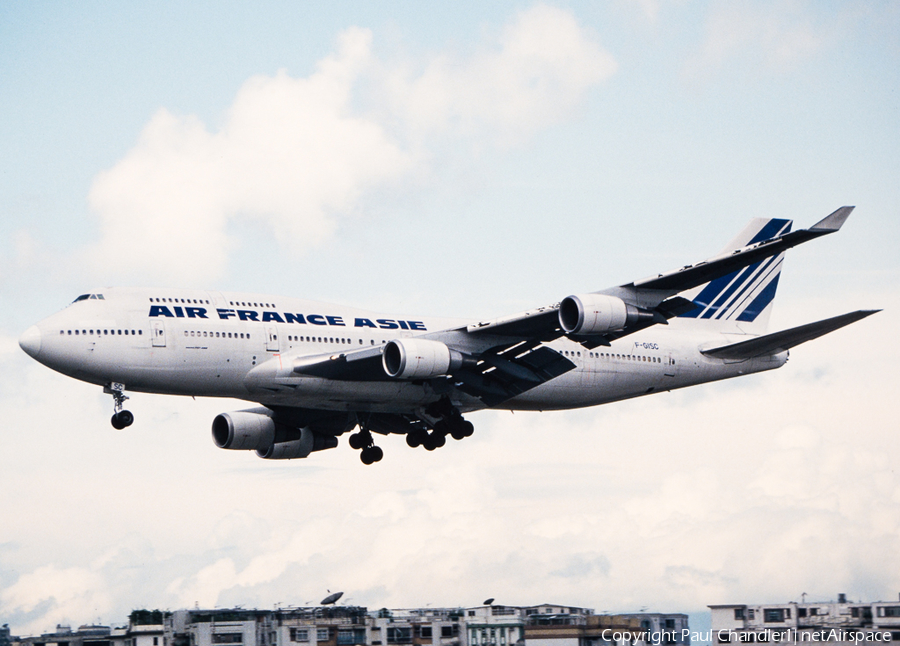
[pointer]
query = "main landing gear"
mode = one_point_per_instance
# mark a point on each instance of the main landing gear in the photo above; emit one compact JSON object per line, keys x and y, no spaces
{"x":363,"y":442}
{"x":121,"y":418}
{"x":447,"y":420}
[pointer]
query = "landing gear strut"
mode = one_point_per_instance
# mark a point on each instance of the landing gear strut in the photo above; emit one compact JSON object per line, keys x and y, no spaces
{"x":362,"y":441}
{"x":121,"y":418}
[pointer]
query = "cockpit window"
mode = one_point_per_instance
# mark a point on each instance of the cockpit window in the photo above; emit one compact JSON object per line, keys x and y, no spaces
{"x":85,"y":297}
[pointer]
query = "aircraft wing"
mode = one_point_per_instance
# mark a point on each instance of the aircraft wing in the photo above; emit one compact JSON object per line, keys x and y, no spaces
{"x":495,"y":375}
{"x":780,"y":341}
{"x":654,"y":295}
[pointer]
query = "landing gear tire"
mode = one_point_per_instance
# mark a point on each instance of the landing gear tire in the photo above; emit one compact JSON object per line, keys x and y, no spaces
{"x":122,"y":419}
{"x":415,"y":438}
{"x":359,"y":441}
{"x":371,"y":454}
{"x":434,"y":440}
{"x":462,"y":429}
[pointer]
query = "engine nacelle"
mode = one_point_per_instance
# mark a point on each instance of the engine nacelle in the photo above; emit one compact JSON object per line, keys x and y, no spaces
{"x":596,"y":314}
{"x":419,"y":359}
{"x":244,"y":430}
{"x":298,"y":448}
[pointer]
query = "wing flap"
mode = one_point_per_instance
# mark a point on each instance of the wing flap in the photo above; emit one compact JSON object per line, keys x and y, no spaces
{"x":781,"y":341}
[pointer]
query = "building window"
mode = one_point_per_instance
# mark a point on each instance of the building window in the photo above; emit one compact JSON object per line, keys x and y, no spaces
{"x":738,"y":613}
{"x":397,"y":635}
{"x":751,"y":613}
{"x":773,"y":615}
{"x":425,"y":632}
{"x":322,"y":635}
{"x":227,"y":638}
{"x":299,"y":635}
{"x":801,"y":613}
{"x":889,"y":611}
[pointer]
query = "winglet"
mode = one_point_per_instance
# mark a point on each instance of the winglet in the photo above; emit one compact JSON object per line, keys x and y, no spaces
{"x":834,"y":221}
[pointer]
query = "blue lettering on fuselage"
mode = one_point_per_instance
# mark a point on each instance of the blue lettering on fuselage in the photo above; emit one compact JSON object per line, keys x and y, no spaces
{"x":226,"y":314}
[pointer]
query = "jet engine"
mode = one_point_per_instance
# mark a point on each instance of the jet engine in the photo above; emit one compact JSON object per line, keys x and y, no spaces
{"x":256,"y":430}
{"x":419,"y":359}
{"x":597,"y":314}
{"x":298,"y":448}
{"x":246,"y":430}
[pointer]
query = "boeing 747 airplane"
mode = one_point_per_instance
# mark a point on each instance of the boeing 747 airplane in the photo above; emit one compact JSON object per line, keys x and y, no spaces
{"x":319,"y":370}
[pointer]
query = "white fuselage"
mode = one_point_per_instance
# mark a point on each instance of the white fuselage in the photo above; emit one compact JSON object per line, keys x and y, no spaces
{"x":199,"y":343}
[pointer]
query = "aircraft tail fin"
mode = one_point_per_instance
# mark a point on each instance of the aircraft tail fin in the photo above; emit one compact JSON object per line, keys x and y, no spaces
{"x":770,"y":344}
{"x":744,"y":297}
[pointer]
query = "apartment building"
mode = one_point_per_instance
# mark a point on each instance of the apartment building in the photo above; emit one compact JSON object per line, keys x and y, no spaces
{"x":840,"y":621}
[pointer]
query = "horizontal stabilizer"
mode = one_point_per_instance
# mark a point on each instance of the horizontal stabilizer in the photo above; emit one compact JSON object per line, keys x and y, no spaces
{"x":780,"y":341}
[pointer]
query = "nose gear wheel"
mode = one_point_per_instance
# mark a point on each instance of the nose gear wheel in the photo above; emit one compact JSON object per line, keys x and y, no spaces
{"x":121,"y":418}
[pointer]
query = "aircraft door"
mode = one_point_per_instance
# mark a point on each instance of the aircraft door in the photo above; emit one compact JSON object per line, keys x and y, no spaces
{"x":671,"y":367}
{"x":159,"y":333}
{"x":271,"y":338}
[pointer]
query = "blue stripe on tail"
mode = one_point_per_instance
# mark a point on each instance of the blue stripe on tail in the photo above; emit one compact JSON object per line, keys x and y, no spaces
{"x":726,"y":296}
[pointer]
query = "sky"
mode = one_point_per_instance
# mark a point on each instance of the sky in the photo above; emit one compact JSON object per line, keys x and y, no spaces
{"x":450,"y":159}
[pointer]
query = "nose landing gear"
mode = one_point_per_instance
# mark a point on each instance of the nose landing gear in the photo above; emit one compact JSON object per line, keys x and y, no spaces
{"x":121,"y":418}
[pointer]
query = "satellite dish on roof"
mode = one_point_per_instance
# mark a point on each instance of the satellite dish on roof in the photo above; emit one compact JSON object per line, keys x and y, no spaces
{"x":331,"y":599}
{"x":488,"y":602}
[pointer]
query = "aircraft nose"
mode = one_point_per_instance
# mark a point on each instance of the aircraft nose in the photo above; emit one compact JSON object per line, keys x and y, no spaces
{"x":30,"y":341}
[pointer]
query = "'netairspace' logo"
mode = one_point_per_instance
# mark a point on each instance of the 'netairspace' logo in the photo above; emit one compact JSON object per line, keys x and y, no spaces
{"x":792,"y":635}
{"x":789,"y":635}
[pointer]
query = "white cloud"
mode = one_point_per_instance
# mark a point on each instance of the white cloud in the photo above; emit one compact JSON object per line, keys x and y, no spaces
{"x":63,"y":595}
{"x":773,"y":35}
{"x":296,"y":155}
{"x":541,"y":67}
